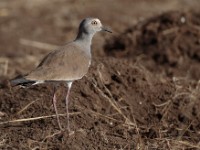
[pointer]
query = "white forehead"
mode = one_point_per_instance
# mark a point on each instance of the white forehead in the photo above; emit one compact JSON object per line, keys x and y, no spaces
{"x":88,"y":20}
{"x":97,"y":20}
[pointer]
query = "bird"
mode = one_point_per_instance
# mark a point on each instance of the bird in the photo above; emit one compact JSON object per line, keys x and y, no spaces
{"x":66,"y":64}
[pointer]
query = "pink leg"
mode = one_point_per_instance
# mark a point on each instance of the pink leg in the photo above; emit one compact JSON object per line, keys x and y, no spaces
{"x":67,"y":103}
{"x":55,"y":108}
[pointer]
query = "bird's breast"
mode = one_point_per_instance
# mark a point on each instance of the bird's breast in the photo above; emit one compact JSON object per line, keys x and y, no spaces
{"x":78,"y":65}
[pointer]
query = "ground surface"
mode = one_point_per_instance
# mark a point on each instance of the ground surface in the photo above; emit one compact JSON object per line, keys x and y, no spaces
{"x":141,"y":92}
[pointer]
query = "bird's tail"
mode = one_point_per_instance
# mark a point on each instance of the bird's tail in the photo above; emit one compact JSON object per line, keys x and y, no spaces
{"x":21,"y":81}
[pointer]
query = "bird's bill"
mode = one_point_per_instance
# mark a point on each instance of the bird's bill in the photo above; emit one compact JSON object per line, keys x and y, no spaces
{"x":106,"y":29}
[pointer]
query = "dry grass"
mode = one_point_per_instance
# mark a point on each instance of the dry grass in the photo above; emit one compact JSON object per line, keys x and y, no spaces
{"x":39,"y":45}
{"x":4,"y":12}
{"x":163,"y":142}
{"x":3,"y":66}
{"x":35,"y":118}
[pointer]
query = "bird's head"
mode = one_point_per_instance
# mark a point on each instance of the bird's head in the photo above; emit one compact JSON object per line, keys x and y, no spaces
{"x":92,"y":25}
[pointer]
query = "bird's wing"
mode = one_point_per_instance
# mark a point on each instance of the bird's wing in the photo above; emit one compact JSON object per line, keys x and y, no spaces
{"x":67,"y":64}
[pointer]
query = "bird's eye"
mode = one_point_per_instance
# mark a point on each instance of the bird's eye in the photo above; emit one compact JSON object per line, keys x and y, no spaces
{"x":94,"y":22}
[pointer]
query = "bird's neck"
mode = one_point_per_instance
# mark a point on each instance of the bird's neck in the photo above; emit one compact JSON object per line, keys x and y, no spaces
{"x":84,"y":39}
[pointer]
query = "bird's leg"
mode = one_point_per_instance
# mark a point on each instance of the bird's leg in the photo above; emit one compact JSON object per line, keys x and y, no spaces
{"x":69,"y":84}
{"x":55,"y":108}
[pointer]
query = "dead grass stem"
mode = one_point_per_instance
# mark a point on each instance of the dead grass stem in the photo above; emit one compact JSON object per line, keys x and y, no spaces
{"x":39,"y":45}
{"x":35,"y":118}
{"x":26,"y":107}
{"x":3,"y":66}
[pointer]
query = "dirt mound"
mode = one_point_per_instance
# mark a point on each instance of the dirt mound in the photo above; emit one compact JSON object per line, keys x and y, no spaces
{"x":118,"y":104}
{"x":170,"y":43}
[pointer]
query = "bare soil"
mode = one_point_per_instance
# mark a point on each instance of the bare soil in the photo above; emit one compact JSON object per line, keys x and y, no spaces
{"x":142,"y":90}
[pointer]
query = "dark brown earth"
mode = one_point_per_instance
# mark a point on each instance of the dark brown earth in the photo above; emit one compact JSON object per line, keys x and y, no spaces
{"x":141,"y":92}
